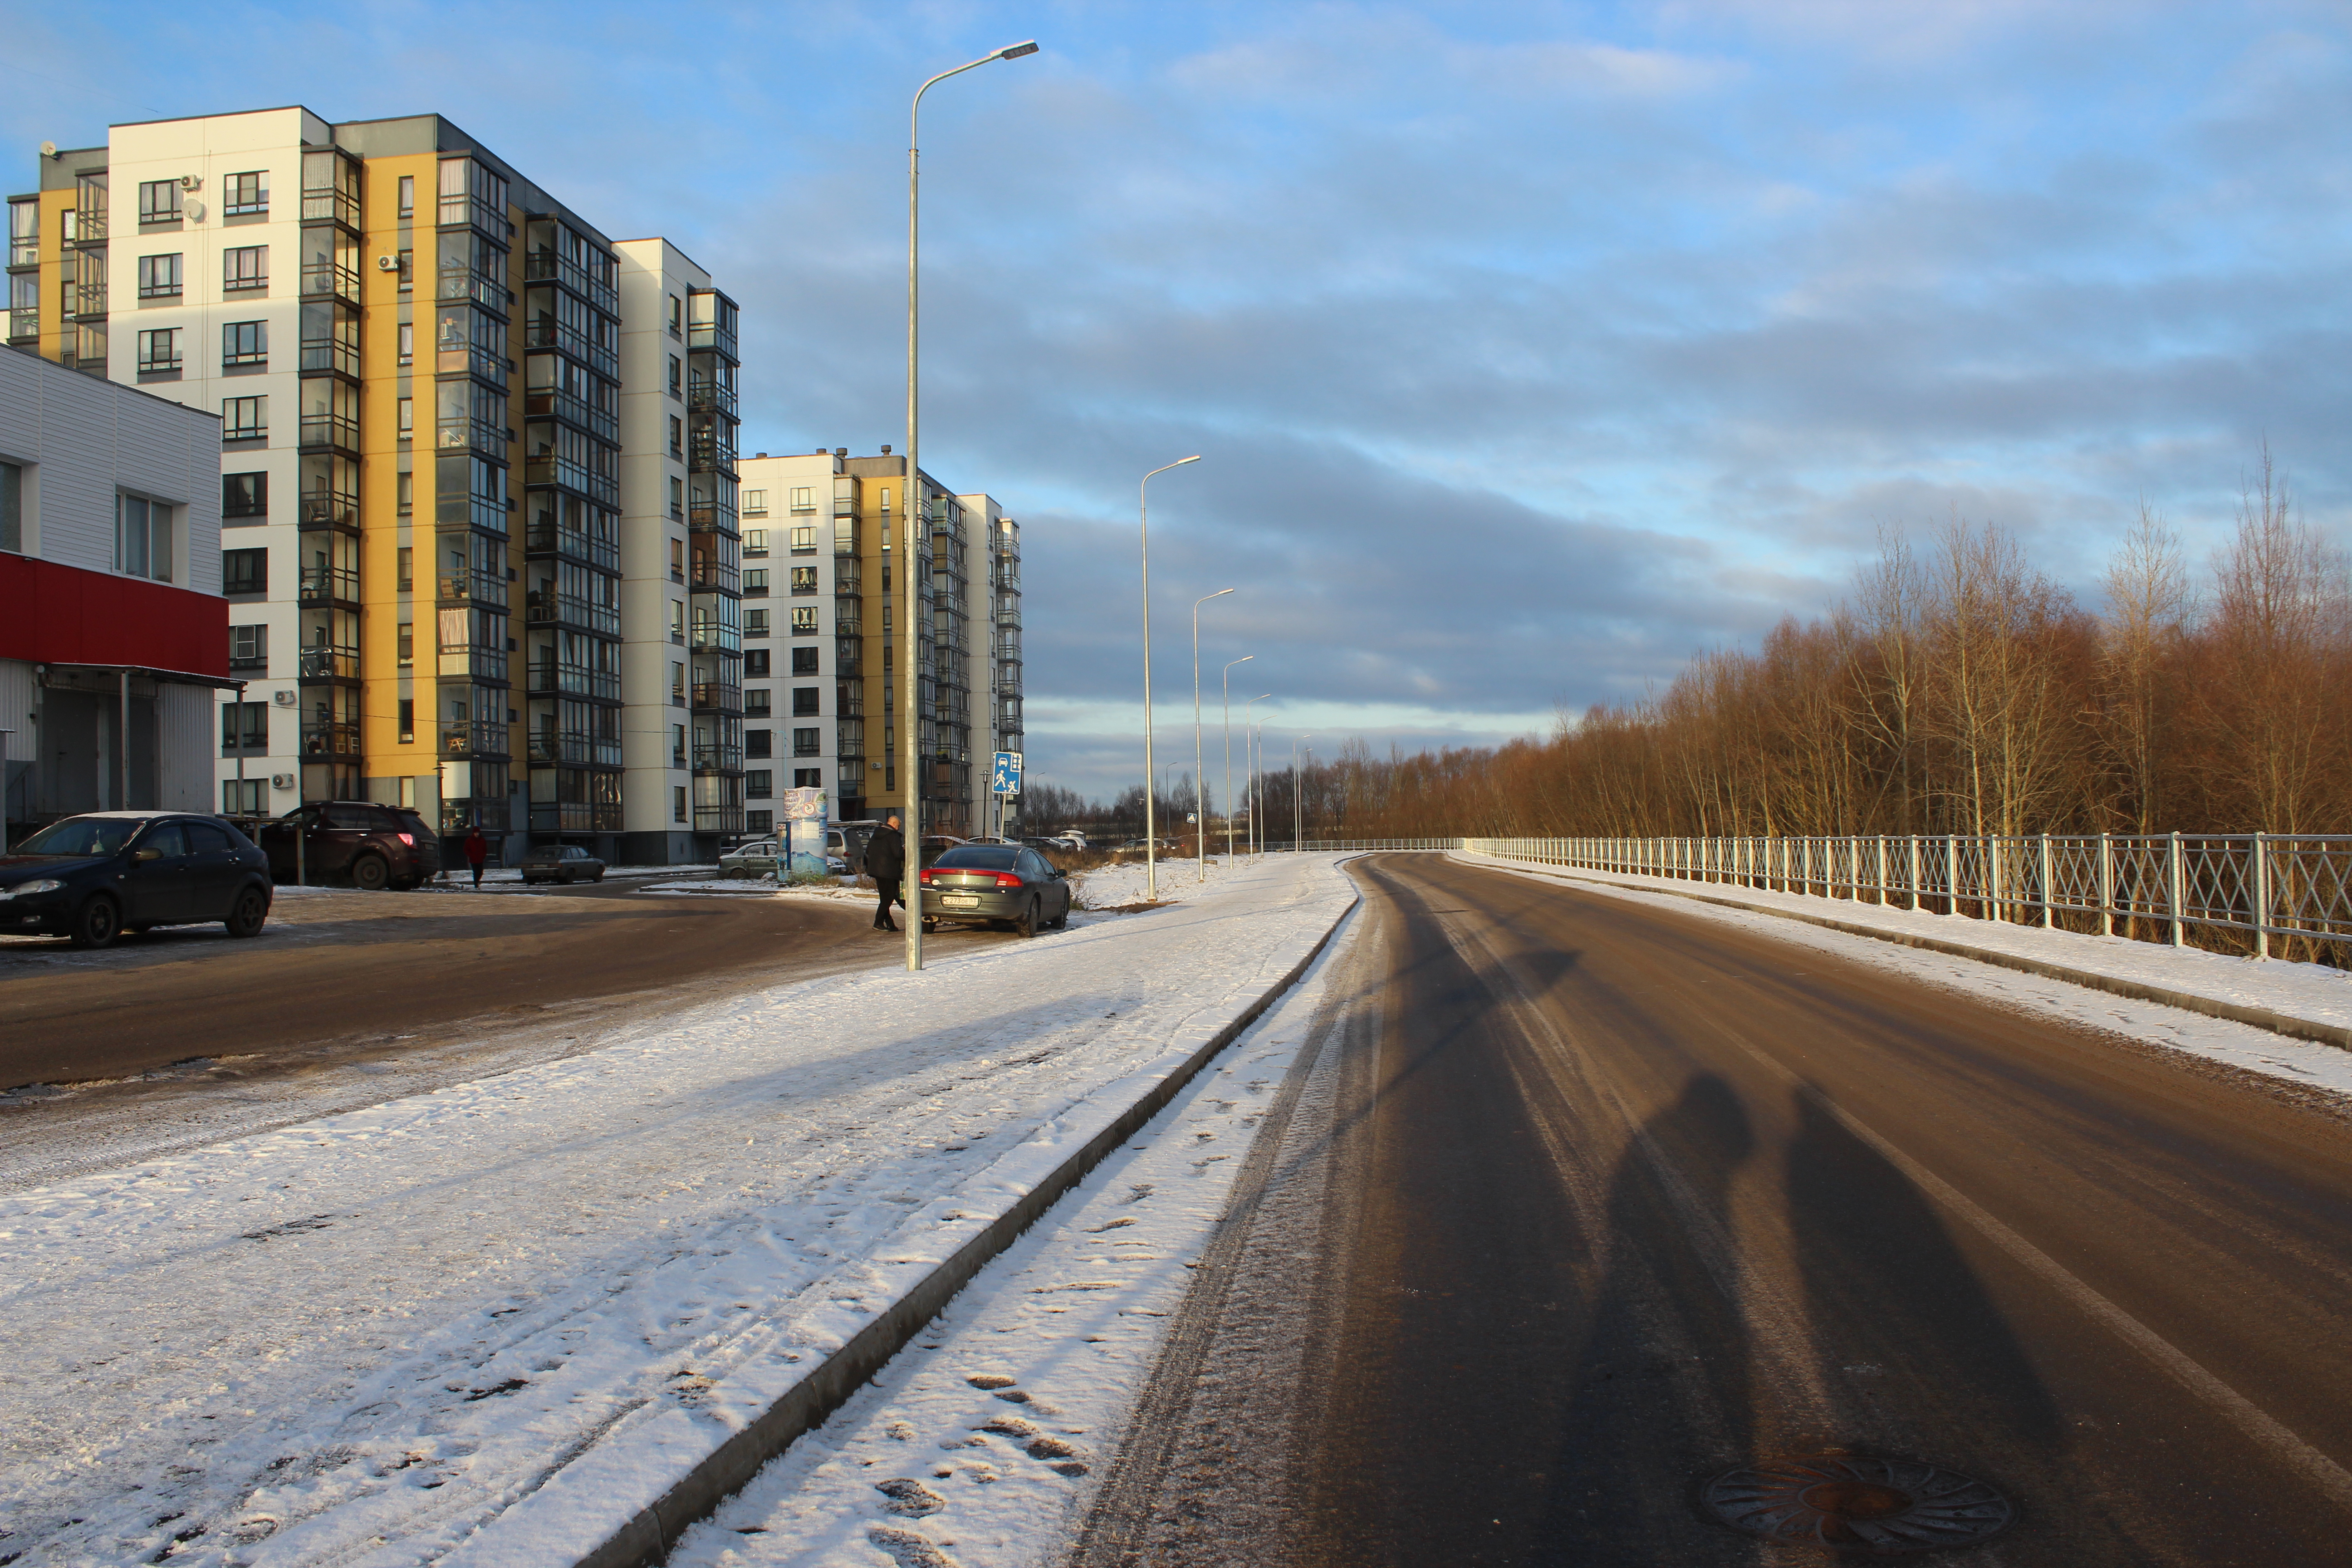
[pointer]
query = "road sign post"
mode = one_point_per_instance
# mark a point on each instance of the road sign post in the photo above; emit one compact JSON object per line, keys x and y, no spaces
{"x":1004,"y":779}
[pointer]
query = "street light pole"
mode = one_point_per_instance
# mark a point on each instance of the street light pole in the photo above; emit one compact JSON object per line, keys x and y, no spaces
{"x":1200,"y":842}
{"x":1228,"y":680}
{"x":1298,"y":797}
{"x":1150,"y":772}
{"x":1249,"y":768}
{"x":910,"y":724}
{"x":1257,"y":802}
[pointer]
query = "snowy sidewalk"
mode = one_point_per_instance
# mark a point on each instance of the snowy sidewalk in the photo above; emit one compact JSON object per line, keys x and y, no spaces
{"x":2309,"y":993}
{"x":527,"y":1303}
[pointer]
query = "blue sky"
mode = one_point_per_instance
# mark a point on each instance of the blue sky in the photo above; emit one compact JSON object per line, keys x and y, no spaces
{"x":1530,"y":348}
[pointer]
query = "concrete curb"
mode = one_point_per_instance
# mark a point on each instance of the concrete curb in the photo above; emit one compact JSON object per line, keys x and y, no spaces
{"x":646,"y":1539}
{"x":2213,"y":1007}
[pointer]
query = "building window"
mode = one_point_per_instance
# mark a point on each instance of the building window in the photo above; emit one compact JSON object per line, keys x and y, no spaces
{"x":159,"y":350}
{"x":407,"y":270}
{"x":159,"y":276}
{"x":678,"y":695}
{"x":407,"y":196}
{"x":159,"y":201}
{"x":12,"y":507}
{"x":804,"y":621}
{"x":803,"y":580}
{"x":759,"y":784}
{"x":804,"y":541}
{"x":245,"y":727}
{"x":404,"y":492}
{"x":677,"y":381}
{"x":408,"y":342}
{"x":245,"y":342}
{"x":800,"y":501}
{"x":803,"y":661}
{"x":755,"y":663}
{"x":406,"y":718}
{"x":245,"y":419}
{"x":756,"y":742}
{"x":677,"y":803}
{"x":249,"y":647}
{"x":404,"y":644}
{"x":406,"y":565}
{"x":676,"y":495}
{"x":805,"y":701}
{"x":245,"y":571}
{"x":755,"y":582}
{"x":755,"y":504}
{"x":755,"y":623}
{"x":677,"y":439}
{"x":678,"y":621}
{"x":245,"y":495}
{"x":755,"y":703}
{"x":142,"y":538}
{"x":760,"y":822}
{"x":245,"y":267}
{"x":678,"y":560}
{"x":755,"y":543}
{"x":242,"y":797}
{"x":406,"y":410}
{"x":805,"y":743}
{"x":676,"y":321}
{"x":808,"y":778}
{"x":243,"y":195}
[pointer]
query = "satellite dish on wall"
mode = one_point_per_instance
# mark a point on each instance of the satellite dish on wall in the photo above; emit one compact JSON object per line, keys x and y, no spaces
{"x":49,"y":149}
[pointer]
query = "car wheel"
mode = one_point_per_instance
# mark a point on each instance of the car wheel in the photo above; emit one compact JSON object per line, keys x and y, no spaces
{"x":1061,"y":921}
{"x":246,"y":915}
{"x":599,"y":875}
{"x":1027,"y":924}
{"x":97,"y":923}
{"x":368,"y":873}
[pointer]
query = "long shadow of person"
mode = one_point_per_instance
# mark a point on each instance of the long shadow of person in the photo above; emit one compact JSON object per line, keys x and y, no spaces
{"x":1662,"y":1386}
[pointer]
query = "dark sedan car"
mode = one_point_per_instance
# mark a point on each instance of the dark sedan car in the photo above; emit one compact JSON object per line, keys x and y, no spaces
{"x":562,"y":863}
{"x":986,"y":884}
{"x":371,"y":845}
{"x":94,"y":877}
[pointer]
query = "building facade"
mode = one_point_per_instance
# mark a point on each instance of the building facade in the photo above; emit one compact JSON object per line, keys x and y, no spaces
{"x":417,"y":360}
{"x":113,"y":635}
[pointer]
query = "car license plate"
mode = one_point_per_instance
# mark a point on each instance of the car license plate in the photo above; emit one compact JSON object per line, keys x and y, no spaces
{"x":959,"y":901}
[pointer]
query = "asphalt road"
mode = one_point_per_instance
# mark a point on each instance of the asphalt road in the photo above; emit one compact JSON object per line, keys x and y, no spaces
{"x":337,"y":973}
{"x":1576,"y":1205}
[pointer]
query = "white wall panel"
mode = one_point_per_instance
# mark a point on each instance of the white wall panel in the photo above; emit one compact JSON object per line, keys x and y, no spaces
{"x":191,"y":726}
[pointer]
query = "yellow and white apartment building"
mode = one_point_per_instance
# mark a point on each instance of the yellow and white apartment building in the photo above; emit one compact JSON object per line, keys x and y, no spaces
{"x":480,"y":523}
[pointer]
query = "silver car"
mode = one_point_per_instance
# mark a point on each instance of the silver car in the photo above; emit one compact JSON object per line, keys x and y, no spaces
{"x":749,"y":862}
{"x":983,"y":884}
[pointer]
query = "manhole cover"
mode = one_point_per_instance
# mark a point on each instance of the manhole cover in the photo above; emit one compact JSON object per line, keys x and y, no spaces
{"x":1850,"y":1502}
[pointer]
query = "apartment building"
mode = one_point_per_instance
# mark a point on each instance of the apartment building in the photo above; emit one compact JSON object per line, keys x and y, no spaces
{"x":113,"y":635}
{"x":455,"y":456}
{"x":995,"y":661}
{"x":803,"y":637}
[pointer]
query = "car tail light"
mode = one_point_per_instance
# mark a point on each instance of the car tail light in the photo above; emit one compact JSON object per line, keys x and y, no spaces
{"x":924,"y":879}
{"x":409,"y":839}
{"x":1007,"y":880}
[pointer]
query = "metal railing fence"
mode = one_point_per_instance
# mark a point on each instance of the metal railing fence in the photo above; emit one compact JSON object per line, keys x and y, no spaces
{"x":2292,"y":887}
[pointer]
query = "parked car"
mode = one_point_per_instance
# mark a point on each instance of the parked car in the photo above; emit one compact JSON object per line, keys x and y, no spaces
{"x":750,"y":861}
{"x":564,"y":863}
{"x":985,"y":884}
{"x":369,"y":845}
{"x":848,"y":839}
{"x":937,"y":844}
{"x":93,"y":877}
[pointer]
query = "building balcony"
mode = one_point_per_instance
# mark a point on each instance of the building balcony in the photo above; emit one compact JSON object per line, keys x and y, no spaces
{"x":484,"y":588}
{"x":24,"y":325}
{"x":545,"y":539}
{"x":337,"y":207}
{"x":577,"y":411}
{"x":704,"y":395}
{"x":322,"y":661}
{"x":548,"y":679}
{"x":571,"y":610}
{"x":331,"y":356}
{"x":716,"y":696}
{"x":575,"y":816}
{"x":330,"y":280}
{"x":547,"y":267}
{"x":334,"y":433}
{"x":715,"y":757}
{"x":330,"y":738}
{"x":481,"y":738}
{"x":330,"y":508}
{"x":577,"y":747}
{"x":330,"y":586}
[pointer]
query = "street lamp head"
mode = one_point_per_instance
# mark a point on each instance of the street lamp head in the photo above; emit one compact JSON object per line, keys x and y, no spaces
{"x":1218,"y":594}
{"x":1014,"y":51}
{"x":1182,"y":462}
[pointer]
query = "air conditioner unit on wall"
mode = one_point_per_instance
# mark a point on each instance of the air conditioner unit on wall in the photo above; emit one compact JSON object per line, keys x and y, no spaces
{"x":285,"y":699}
{"x":281,"y":781}
{"x":388,"y":264}
{"x":191,"y":182}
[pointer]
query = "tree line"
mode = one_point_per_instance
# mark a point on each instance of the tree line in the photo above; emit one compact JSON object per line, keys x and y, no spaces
{"x":1957,"y":689}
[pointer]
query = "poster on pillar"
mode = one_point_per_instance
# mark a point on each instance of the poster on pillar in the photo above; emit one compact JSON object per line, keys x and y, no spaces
{"x":805,"y":832}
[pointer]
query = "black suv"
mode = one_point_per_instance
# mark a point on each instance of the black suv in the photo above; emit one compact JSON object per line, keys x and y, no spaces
{"x":371,"y":845}
{"x":94,"y":877}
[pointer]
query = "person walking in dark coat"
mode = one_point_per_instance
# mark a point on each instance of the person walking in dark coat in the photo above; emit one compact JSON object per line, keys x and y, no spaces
{"x":478,"y":850}
{"x":886,"y":862}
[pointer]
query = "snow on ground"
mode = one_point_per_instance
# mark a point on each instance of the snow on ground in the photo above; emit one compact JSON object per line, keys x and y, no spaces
{"x":363,"y":1338}
{"x":2307,"y":990}
{"x":976,"y":1444}
{"x":1107,"y":887}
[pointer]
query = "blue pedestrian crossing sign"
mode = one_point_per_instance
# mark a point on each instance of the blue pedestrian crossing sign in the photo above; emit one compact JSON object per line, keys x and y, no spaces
{"x":1006,"y":779}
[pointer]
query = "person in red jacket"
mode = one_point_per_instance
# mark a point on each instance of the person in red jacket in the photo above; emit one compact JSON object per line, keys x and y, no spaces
{"x":478,"y":850}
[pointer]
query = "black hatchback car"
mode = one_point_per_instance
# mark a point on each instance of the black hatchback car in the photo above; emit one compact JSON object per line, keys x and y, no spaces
{"x":93,"y":878}
{"x":358,"y":841}
{"x":987,"y":883}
